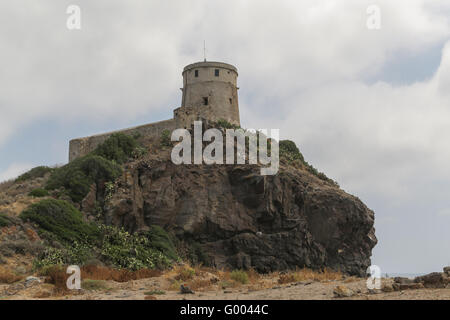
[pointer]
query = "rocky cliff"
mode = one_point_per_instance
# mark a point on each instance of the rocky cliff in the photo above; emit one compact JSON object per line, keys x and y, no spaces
{"x":241,"y":219}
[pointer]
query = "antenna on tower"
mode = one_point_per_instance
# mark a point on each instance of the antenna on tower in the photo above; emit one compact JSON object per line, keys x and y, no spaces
{"x":204,"y":49}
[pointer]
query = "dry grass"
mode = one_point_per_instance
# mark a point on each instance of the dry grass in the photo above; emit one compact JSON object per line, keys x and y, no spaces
{"x":9,"y":277}
{"x":309,"y":275}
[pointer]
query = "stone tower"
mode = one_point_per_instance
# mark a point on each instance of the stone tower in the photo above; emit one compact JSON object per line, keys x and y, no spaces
{"x":209,"y":93}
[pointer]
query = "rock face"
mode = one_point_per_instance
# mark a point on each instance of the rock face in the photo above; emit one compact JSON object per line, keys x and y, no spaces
{"x":241,"y":219}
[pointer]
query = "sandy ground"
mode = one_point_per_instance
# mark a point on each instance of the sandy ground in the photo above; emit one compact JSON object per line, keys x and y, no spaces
{"x":152,"y":289}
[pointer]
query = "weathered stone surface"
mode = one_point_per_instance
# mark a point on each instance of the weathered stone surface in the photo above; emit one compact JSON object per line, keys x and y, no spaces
{"x":403,"y":280}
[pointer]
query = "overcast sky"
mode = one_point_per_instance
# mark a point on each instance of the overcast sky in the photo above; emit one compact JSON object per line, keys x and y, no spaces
{"x":370,"y":108}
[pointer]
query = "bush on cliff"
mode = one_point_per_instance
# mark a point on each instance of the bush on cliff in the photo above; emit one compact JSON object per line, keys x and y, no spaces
{"x":38,"y":193}
{"x":59,"y":220}
{"x":77,"y":176}
{"x":290,"y":152}
{"x":165,"y":139}
{"x":134,"y":251}
{"x":118,"y":147}
{"x":34,"y":173}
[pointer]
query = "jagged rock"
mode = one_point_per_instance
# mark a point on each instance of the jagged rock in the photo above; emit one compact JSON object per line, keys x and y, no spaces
{"x":185,"y":290}
{"x":433,"y":280}
{"x":343,"y":292}
{"x":447,"y":270}
{"x":241,"y":219}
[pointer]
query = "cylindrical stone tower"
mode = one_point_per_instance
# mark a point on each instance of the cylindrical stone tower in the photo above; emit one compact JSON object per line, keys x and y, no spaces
{"x":209,"y":92}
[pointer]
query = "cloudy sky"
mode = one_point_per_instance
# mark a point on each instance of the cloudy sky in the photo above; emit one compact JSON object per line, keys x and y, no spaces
{"x":369,"y":107}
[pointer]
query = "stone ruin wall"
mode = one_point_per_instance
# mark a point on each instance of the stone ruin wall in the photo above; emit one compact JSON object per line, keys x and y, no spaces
{"x":82,"y":146}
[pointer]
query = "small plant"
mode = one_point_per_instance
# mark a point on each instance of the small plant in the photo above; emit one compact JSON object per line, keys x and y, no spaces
{"x":165,"y":138}
{"x":132,"y":251}
{"x":38,"y":193}
{"x":239,"y":276}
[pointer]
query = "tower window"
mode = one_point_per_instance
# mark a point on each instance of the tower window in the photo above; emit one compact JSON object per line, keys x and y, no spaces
{"x":231,"y":101}
{"x":217,"y":72}
{"x":205,"y":101}
{"x":196,"y":73}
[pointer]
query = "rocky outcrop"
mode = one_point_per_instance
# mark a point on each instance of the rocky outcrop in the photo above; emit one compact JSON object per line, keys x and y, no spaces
{"x":241,"y":219}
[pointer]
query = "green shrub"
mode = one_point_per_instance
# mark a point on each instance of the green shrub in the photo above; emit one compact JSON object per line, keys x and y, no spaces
{"x":38,"y":193}
{"x":77,"y":176}
{"x":222,"y":123}
{"x":131,"y":251}
{"x":166,"y":138}
{"x":118,"y":147}
{"x":34,"y":173}
{"x":289,"y":150}
{"x":59,"y":220}
{"x":239,"y":276}
{"x":154,"y":292}
{"x":5,"y":221}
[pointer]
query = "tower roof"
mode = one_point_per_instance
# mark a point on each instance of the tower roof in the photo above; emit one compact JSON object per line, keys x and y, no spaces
{"x":210,"y":64}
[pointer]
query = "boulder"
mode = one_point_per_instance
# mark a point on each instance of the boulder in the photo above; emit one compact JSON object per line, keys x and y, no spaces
{"x":433,"y":280}
{"x":241,"y":219}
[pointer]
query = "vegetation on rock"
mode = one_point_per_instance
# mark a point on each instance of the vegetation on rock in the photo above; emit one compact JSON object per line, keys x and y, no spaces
{"x":166,"y":139}
{"x":118,"y":147}
{"x":34,"y":173}
{"x":289,"y":151}
{"x":38,"y":193}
